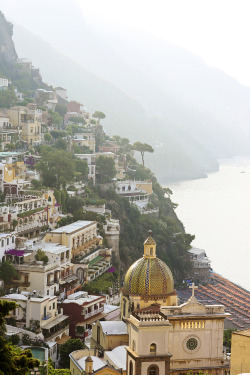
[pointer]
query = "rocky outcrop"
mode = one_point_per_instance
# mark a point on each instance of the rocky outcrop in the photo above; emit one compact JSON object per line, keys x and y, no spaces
{"x":8,"y":55}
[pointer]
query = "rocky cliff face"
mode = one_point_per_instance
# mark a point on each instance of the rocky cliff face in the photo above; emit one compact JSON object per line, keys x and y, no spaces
{"x":8,"y":55}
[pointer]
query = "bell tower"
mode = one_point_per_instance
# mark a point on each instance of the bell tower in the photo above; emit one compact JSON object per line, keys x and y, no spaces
{"x":149,"y":246}
{"x":147,"y":353}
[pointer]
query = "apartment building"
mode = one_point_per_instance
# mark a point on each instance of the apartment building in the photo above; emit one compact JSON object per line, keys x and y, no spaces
{"x":83,"y":310}
{"x":41,"y":314}
{"x":81,"y":237}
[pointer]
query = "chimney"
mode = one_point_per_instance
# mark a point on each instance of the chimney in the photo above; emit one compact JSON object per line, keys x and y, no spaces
{"x":88,"y":365}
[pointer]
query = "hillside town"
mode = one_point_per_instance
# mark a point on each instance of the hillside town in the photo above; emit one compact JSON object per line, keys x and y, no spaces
{"x":71,"y":197}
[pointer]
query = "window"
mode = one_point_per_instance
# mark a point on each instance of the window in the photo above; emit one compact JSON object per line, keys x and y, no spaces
{"x":153,"y":349}
{"x":151,"y":251}
{"x":8,"y":241}
{"x":54,"y":305}
{"x":153,"y":370}
{"x":131,"y":368}
{"x":133,"y":345}
{"x":13,"y":239}
{"x":2,"y":243}
{"x":98,"y":334}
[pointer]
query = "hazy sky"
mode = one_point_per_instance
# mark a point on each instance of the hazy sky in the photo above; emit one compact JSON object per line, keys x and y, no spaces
{"x":216,"y":30}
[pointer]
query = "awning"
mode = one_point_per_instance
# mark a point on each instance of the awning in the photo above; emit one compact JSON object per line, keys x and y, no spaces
{"x":63,"y":339}
{"x":55,"y":322}
{"x":91,"y":320}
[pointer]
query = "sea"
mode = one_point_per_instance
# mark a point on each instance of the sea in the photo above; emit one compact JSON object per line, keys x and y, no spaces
{"x":216,"y":210}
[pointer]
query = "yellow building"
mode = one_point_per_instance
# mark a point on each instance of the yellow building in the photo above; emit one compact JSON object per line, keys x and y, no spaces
{"x":31,"y":132}
{"x":240,"y":352}
{"x":28,"y":120}
{"x":80,"y":236}
{"x":85,"y":361}
{"x":107,"y":335}
{"x":14,"y":171}
{"x":84,"y":139}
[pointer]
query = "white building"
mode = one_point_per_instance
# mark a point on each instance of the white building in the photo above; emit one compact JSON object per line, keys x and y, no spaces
{"x":42,"y":313}
{"x":60,"y":91}
{"x":4,"y":121}
{"x":47,"y":278}
{"x":4,"y":83}
{"x":7,"y":242}
{"x":137,"y":192}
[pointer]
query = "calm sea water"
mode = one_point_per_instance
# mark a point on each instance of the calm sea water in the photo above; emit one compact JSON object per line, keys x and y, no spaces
{"x":217,"y":210}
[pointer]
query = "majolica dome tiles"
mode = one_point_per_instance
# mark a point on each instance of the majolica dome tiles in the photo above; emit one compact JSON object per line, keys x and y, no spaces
{"x":149,"y":278}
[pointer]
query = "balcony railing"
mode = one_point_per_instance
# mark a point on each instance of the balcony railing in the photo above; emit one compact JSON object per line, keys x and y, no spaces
{"x":47,"y":316}
{"x":92,"y":313}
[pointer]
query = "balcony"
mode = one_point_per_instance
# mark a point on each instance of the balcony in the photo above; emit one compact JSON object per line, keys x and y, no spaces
{"x":92,"y":313}
{"x":47,"y":316}
{"x":21,"y":283}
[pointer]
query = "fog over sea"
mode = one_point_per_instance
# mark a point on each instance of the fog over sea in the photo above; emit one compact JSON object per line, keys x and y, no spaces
{"x":217,"y":210}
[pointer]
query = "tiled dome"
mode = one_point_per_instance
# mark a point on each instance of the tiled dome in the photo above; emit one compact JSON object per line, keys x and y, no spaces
{"x":149,"y":277}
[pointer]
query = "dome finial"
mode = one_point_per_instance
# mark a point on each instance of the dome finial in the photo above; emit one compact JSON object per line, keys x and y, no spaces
{"x":150,"y":233}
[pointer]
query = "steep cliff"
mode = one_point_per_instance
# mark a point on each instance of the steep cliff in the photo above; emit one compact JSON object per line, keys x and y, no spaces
{"x":8,"y":55}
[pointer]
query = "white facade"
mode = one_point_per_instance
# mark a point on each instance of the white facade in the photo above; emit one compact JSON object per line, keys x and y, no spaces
{"x":4,"y":83}
{"x":4,"y":121}
{"x":7,"y":242}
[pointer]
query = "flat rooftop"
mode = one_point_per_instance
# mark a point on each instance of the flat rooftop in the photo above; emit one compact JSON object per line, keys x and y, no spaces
{"x":80,"y":224}
{"x":50,"y":247}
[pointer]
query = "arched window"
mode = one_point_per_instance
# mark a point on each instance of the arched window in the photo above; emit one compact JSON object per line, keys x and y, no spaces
{"x":153,"y":370}
{"x":151,"y":251}
{"x":153,"y":349}
{"x":131,"y":368}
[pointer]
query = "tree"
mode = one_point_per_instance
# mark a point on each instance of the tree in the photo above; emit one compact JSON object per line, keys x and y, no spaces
{"x":14,"y":223}
{"x":61,"y":109}
{"x":142,"y":148}
{"x":58,"y":133}
{"x":106,"y":168}
{"x":53,"y":371}
{"x":56,"y":118}
{"x":81,"y":149}
{"x":56,"y":166}
{"x":47,"y":137}
{"x":67,"y":348}
{"x":41,"y":256}
{"x":77,"y":120}
{"x":99,"y":115}
{"x":14,"y":339}
{"x":7,"y":98}
{"x":82,"y":168}
{"x":14,"y":361}
{"x":36,"y":184}
{"x":227,"y":338}
{"x":74,"y":203}
{"x":7,"y":272}
{"x":61,"y":144}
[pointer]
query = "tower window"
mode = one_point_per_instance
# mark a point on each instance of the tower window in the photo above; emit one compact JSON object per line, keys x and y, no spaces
{"x":131,"y":368}
{"x":153,"y":370}
{"x":153,"y":349}
{"x":133,"y":345}
{"x":151,"y":251}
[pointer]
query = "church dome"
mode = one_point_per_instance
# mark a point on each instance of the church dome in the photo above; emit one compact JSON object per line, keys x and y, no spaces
{"x":149,"y":277}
